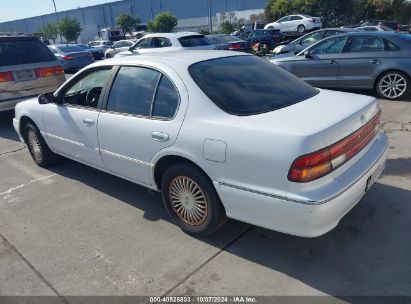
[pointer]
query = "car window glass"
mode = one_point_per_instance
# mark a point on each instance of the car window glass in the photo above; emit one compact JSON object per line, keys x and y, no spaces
{"x":248,"y":85}
{"x":311,"y":39}
{"x":360,"y":44}
{"x":330,"y":33}
{"x":286,"y":18}
{"x":22,"y":51}
{"x":393,"y":47}
{"x":160,"y":42}
{"x":143,"y":43}
{"x":330,"y":46}
{"x":193,"y":41}
{"x":294,"y":18}
{"x":69,"y":48}
{"x":77,"y":92}
{"x":166,"y":101}
{"x":133,"y":90}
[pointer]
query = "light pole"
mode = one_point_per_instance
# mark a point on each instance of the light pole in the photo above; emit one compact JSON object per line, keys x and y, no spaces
{"x":57,"y":17}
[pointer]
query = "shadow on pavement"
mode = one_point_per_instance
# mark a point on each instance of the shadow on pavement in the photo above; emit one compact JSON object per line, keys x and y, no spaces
{"x":367,"y":254}
{"x":6,"y":126}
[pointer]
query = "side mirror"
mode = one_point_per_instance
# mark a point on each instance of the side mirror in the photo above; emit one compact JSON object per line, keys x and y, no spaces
{"x":131,"y":48}
{"x":47,"y":98}
{"x":307,"y":54}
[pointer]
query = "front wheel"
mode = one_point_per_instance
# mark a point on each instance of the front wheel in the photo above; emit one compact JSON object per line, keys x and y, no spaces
{"x":191,"y":200}
{"x":40,"y":152}
{"x":393,"y":85}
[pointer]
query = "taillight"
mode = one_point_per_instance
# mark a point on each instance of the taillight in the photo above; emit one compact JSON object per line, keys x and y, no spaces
{"x":234,"y":47}
{"x":50,"y":71}
{"x":68,"y":58}
{"x":317,"y":164}
{"x":6,"y":76}
{"x":312,"y":20}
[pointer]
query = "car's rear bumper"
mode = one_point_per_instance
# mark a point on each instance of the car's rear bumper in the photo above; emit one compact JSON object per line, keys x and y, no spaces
{"x":306,"y":219}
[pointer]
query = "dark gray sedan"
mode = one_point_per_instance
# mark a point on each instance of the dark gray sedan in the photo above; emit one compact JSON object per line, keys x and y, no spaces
{"x":356,"y":60}
{"x":305,"y":41}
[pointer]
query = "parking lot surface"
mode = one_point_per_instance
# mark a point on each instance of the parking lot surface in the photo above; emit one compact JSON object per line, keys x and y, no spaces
{"x":72,"y":230}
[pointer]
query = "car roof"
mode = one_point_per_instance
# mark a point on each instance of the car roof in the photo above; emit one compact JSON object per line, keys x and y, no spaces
{"x":173,"y":59}
{"x":172,"y":35}
{"x":14,"y":38}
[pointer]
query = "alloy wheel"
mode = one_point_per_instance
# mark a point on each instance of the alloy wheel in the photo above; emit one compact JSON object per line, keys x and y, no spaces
{"x":188,"y":200}
{"x":392,"y":85}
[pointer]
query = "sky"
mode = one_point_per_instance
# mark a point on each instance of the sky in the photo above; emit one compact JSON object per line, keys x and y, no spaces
{"x":18,"y":9}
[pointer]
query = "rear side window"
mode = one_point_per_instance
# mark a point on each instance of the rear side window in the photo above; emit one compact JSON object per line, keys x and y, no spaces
{"x":166,"y":101}
{"x":248,"y":85}
{"x":20,"y":51}
{"x":143,"y":92}
{"x":192,"y":41}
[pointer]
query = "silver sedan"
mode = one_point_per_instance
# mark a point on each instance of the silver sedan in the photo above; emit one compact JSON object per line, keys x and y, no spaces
{"x":356,"y":60}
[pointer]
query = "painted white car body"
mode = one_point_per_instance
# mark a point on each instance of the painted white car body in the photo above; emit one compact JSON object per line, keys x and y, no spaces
{"x":247,"y":158}
{"x":293,"y":23}
{"x":166,"y":42}
{"x":119,"y":46}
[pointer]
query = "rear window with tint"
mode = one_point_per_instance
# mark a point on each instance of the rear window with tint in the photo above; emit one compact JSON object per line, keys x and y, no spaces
{"x":192,"y":41}
{"x":248,"y":85}
{"x":15,"y":52}
{"x":69,"y":48}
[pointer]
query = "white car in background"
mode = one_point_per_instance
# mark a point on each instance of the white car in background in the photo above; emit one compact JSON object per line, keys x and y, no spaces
{"x":296,"y":23}
{"x":220,"y":134}
{"x":166,"y":42}
{"x":119,"y":46}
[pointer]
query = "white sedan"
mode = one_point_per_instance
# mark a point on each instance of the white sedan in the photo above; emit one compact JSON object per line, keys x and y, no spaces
{"x":296,"y":23}
{"x":166,"y":42}
{"x":220,"y":134}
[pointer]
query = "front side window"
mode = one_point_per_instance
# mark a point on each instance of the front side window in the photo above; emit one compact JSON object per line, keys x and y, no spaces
{"x":362,"y":44}
{"x":248,"y":85}
{"x":87,"y":90}
{"x":160,"y":42}
{"x":133,"y":90}
{"x":143,"y":44}
{"x":286,"y":18}
{"x":330,"y":46}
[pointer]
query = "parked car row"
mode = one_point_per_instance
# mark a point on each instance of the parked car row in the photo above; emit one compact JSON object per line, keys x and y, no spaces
{"x":377,"y":61}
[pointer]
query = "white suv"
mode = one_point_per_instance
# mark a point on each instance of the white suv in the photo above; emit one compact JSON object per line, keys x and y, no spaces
{"x":165,"y":42}
{"x":296,"y":23}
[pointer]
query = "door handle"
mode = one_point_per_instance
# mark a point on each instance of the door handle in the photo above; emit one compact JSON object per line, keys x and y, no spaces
{"x":374,"y":61}
{"x":160,"y":136}
{"x":332,"y":61}
{"x":88,"y":122}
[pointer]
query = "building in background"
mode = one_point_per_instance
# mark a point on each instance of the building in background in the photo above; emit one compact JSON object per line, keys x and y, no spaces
{"x":192,"y":15}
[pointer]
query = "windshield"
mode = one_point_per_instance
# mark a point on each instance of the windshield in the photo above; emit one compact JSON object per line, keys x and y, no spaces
{"x":248,"y":85}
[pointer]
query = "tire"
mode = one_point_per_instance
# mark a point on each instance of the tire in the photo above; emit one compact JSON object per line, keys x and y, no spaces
{"x":40,"y":152}
{"x":301,"y":29}
{"x":270,"y":28}
{"x":186,"y":189}
{"x":393,"y":85}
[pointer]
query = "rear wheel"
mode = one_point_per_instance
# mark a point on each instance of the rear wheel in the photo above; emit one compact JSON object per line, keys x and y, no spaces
{"x":301,"y":29}
{"x":393,"y":85}
{"x":40,"y":152}
{"x":191,"y":200}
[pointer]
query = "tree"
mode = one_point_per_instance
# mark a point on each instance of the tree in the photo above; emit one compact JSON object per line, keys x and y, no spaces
{"x":50,"y":31}
{"x":128,"y":22}
{"x":227,"y":27}
{"x":163,"y":23}
{"x":70,"y":29}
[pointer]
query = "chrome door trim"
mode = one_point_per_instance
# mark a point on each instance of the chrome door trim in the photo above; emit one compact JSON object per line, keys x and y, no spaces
{"x":127,"y":158}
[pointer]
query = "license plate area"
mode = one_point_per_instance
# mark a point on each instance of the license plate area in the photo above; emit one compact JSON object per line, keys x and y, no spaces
{"x":24,"y":75}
